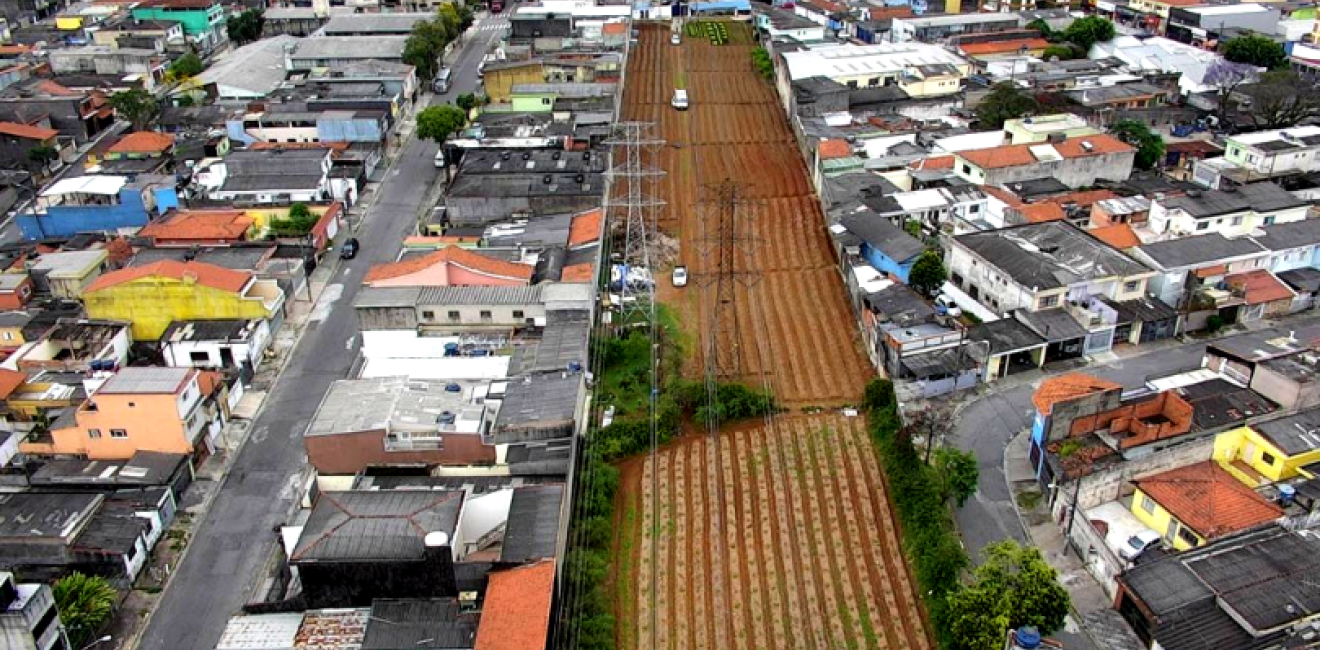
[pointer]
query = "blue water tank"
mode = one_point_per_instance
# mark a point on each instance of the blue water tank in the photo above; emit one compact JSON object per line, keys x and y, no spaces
{"x":1027,"y":637}
{"x":1286,"y":494}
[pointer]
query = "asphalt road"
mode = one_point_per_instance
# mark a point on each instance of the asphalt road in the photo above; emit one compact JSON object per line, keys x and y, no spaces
{"x":233,"y":541}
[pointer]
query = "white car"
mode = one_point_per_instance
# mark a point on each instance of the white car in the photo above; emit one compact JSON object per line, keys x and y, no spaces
{"x":680,"y":276}
{"x":945,"y":306}
{"x":675,"y":39}
{"x":1138,"y":544}
{"x":680,"y":100}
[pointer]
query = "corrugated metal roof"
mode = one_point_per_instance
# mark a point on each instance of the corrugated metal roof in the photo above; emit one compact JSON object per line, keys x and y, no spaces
{"x":487,"y":295}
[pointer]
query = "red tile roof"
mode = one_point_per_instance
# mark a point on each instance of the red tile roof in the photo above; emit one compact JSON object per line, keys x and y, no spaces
{"x":9,"y":50}
{"x":207,"y":275}
{"x":1261,"y":286}
{"x":143,"y":142}
{"x":206,"y":225}
{"x":1003,"y":47}
{"x":578,"y":273}
{"x":27,"y":132}
{"x":829,"y":149}
{"x":1015,"y":155}
{"x":585,"y":227}
{"x":1042,"y":212}
{"x":934,"y":162}
{"x":614,"y":28}
{"x":1209,"y":500}
{"x":882,"y":13}
{"x":516,"y":614}
{"x":1084,"y":198}
{"x":450,"y":255}
{"x":10,"y":380}
{"x":1119,"y":235}
{"x":1068,"y":387}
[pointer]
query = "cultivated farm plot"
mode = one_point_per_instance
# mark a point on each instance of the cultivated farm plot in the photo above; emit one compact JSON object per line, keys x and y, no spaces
{"x":796,"y":315}
{"x":802,"y":555}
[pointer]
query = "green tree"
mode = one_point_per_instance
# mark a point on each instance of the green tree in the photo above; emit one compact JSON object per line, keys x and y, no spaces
{"x":1042,"y":27}
{"x":41,"y":154}
{"x":188,"y":65}
{"x":85,"y":603}
{"x":1085,"y":32}
{"x":426,"y":45}
{"x":1226,"y":76}
{"x":928,"y":274}
{"x":1028,"y":586}
{"x":438,"y":122}
{"x":762,"y":64}
{"x":976,"y":619}
{"x":957,"y":473}
{"x":245,"y":27}
{"x":466,"y":101}
{"x":1257,"y":50}
{"x":1281,"y":99}
{"x":137,"y":106}
{"x":1150,"y":145}
{"x":1063,"y":51}
{"x":1005,"y":102}
{"x":449,"y":18}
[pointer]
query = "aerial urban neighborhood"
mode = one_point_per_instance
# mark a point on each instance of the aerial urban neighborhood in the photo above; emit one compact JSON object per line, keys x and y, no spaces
{"x":659,"y":324}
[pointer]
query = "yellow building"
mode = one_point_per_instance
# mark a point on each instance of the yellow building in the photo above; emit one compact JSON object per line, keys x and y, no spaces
{"x":155,"y":295}
{"x":1193,"y":505}
{"x":1272,"y":451}
{"x":500,"y":78}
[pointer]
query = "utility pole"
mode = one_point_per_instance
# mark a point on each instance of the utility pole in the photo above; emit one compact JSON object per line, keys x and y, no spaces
{"x":632,"y":151}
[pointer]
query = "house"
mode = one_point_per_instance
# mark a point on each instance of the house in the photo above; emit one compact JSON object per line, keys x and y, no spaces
{"x":396,"y":421}
{"x":784,"y":24}
{"x":1265,"y":154}
{"x":1238,"y":357}
{"x":1006,"y":346}
{"x":1192,"y":274}
{"x":360,"y":545}
{"x":216,"y":344}
{"x":141,"y":144}
{"x":65,"y":274}
{"x":202,"y":20}
{"x":22,"y":144}
{"x":493,"y":184}
{"x":157,"y":294}
{"x":1181,"y":159}
{"x":1231,"y":211}
{"x":1305,"y":282}
{"x":1132,"y":211}
{"x":28,"y":618}
{"x":98,"y":204}
{"x":75,"y":114}
{"x":1159,"y":55}
{"x":148,"y":66}
{"x":1205,"y":25}
{"x":273,"y":176}
{"x":249,"y":72}
{"x":15,"y":291}
{"x":199,"y":228}
{"x":1200,"y":503}
{"x":382,"y":24}
{"x":918,"y":69}
{"x":1241,"y":593}
{"x":537,"y":419}
{"x":74,"y":345}
{"x":1271,"y":451}
{"x":455,"y":308}
{"x":12,"y":324}
{"x":119,"y":31}
{"x":50,"y":534}
{"x":144,"y":471}
{"x":935,"y":29}
{"x":332,"y":51}
{"x":885,"y":247}
{"x":449,"y":266}
{"x":138,"y":409}
{"x":516,"y":613}
{"x":992,"y":47}
{"x":1076,"y":162}
{"x":1041,"y":266}
{"x":1292,"y":244}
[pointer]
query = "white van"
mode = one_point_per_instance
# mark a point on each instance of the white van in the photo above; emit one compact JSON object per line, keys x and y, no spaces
{"x":442,"y":81}
{"x":675,"y":39}
{"x":680,"y":100}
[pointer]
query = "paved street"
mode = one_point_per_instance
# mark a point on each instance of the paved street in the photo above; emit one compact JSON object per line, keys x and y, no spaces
{"x":235,"y":538}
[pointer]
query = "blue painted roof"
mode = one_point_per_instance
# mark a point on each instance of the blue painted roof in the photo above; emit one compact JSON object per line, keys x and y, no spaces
{"x":721,"y":5}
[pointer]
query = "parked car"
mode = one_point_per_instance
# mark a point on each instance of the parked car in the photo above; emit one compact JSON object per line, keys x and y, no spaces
{"x":1138,"y":544}
{"x":680,"y":100}
{"x":675,"y":39}
{"x":350,"y":249}
{"x":945,"y":306}
{"x":680,"y":276}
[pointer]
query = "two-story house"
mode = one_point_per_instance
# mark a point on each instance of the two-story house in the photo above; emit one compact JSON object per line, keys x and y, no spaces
{"x":1076,"y":162}
{"x":203,"y":21}
{"x":1264,"y":154}
{"x":1046,"y":266}
{"x":98,"y":204}
{"x":1210,"y":275}
{"x":1232,"y":211}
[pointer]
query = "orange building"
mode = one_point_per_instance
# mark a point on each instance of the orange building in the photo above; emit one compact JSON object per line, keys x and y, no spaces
{"x":139,"y":409}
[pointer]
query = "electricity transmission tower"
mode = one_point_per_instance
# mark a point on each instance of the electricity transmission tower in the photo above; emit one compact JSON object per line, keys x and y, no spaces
{"x":728,"y":244}
{"x":632,"y":177}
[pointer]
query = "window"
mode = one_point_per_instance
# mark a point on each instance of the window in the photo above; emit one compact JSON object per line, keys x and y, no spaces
{"x":975,"y":208}
{"x":118,"y":433}
{"x":9,"y":336}
{"x":517,"y":313}
{"x":1049,"y":301}
{"x":873,"y":81}
{"x":1269,"y":221}
{"x":967,"y":169}
{"x":1203,"y":225}
{"x":453,"y":315}
{"x":1129,"y":287}
{"x":428,"y":315}
{"x":1237,"y":221}
{"x":485,"y":314}
{"x":199,"y":357}
{"x":545,"y":101}
{"x":852,"y":84}
{"x":1267,"y":458}
{"x":134,"y":404}
{"x":94,"y":433}
{"x":1147,"y":504}
{"x":1187,"y":536}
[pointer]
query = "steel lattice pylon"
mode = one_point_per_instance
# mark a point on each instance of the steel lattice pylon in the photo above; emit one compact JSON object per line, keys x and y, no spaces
{"x":728,"y":244}
{"x":632,"y":153}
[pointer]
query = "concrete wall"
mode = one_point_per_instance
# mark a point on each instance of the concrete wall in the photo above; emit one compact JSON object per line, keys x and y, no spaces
{"x":1110,"y":484}
{"x":1283,"y":391}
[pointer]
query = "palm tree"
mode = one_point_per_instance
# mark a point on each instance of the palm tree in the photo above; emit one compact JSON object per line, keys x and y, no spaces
{"x":85,"y":603}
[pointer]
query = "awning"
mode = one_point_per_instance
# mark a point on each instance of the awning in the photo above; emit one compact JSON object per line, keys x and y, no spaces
{"x":1211,"y":271}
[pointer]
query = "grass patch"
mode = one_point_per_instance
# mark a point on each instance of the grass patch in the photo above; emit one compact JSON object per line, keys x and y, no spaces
{"x":623,"y":584}
{"x":1028,"y":499}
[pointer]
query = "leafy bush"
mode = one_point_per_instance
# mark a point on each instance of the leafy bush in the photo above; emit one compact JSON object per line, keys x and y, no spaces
{"x":85,"y":603}
{"x":1214,"y":323}
{"x":300,"y":221}
{"x":762,"y":64}
{"x":587,"y":565}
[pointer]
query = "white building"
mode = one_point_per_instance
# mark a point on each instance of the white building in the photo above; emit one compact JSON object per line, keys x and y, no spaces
{"x":216,"y":344}
{"x":1232,"y":212}
{"x":1160,"y":54}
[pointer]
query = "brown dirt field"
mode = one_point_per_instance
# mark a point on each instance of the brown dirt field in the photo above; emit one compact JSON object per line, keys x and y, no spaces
{"x":736,"y":129}
{"x":775,"y":535}
{"x":809,"y":556}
